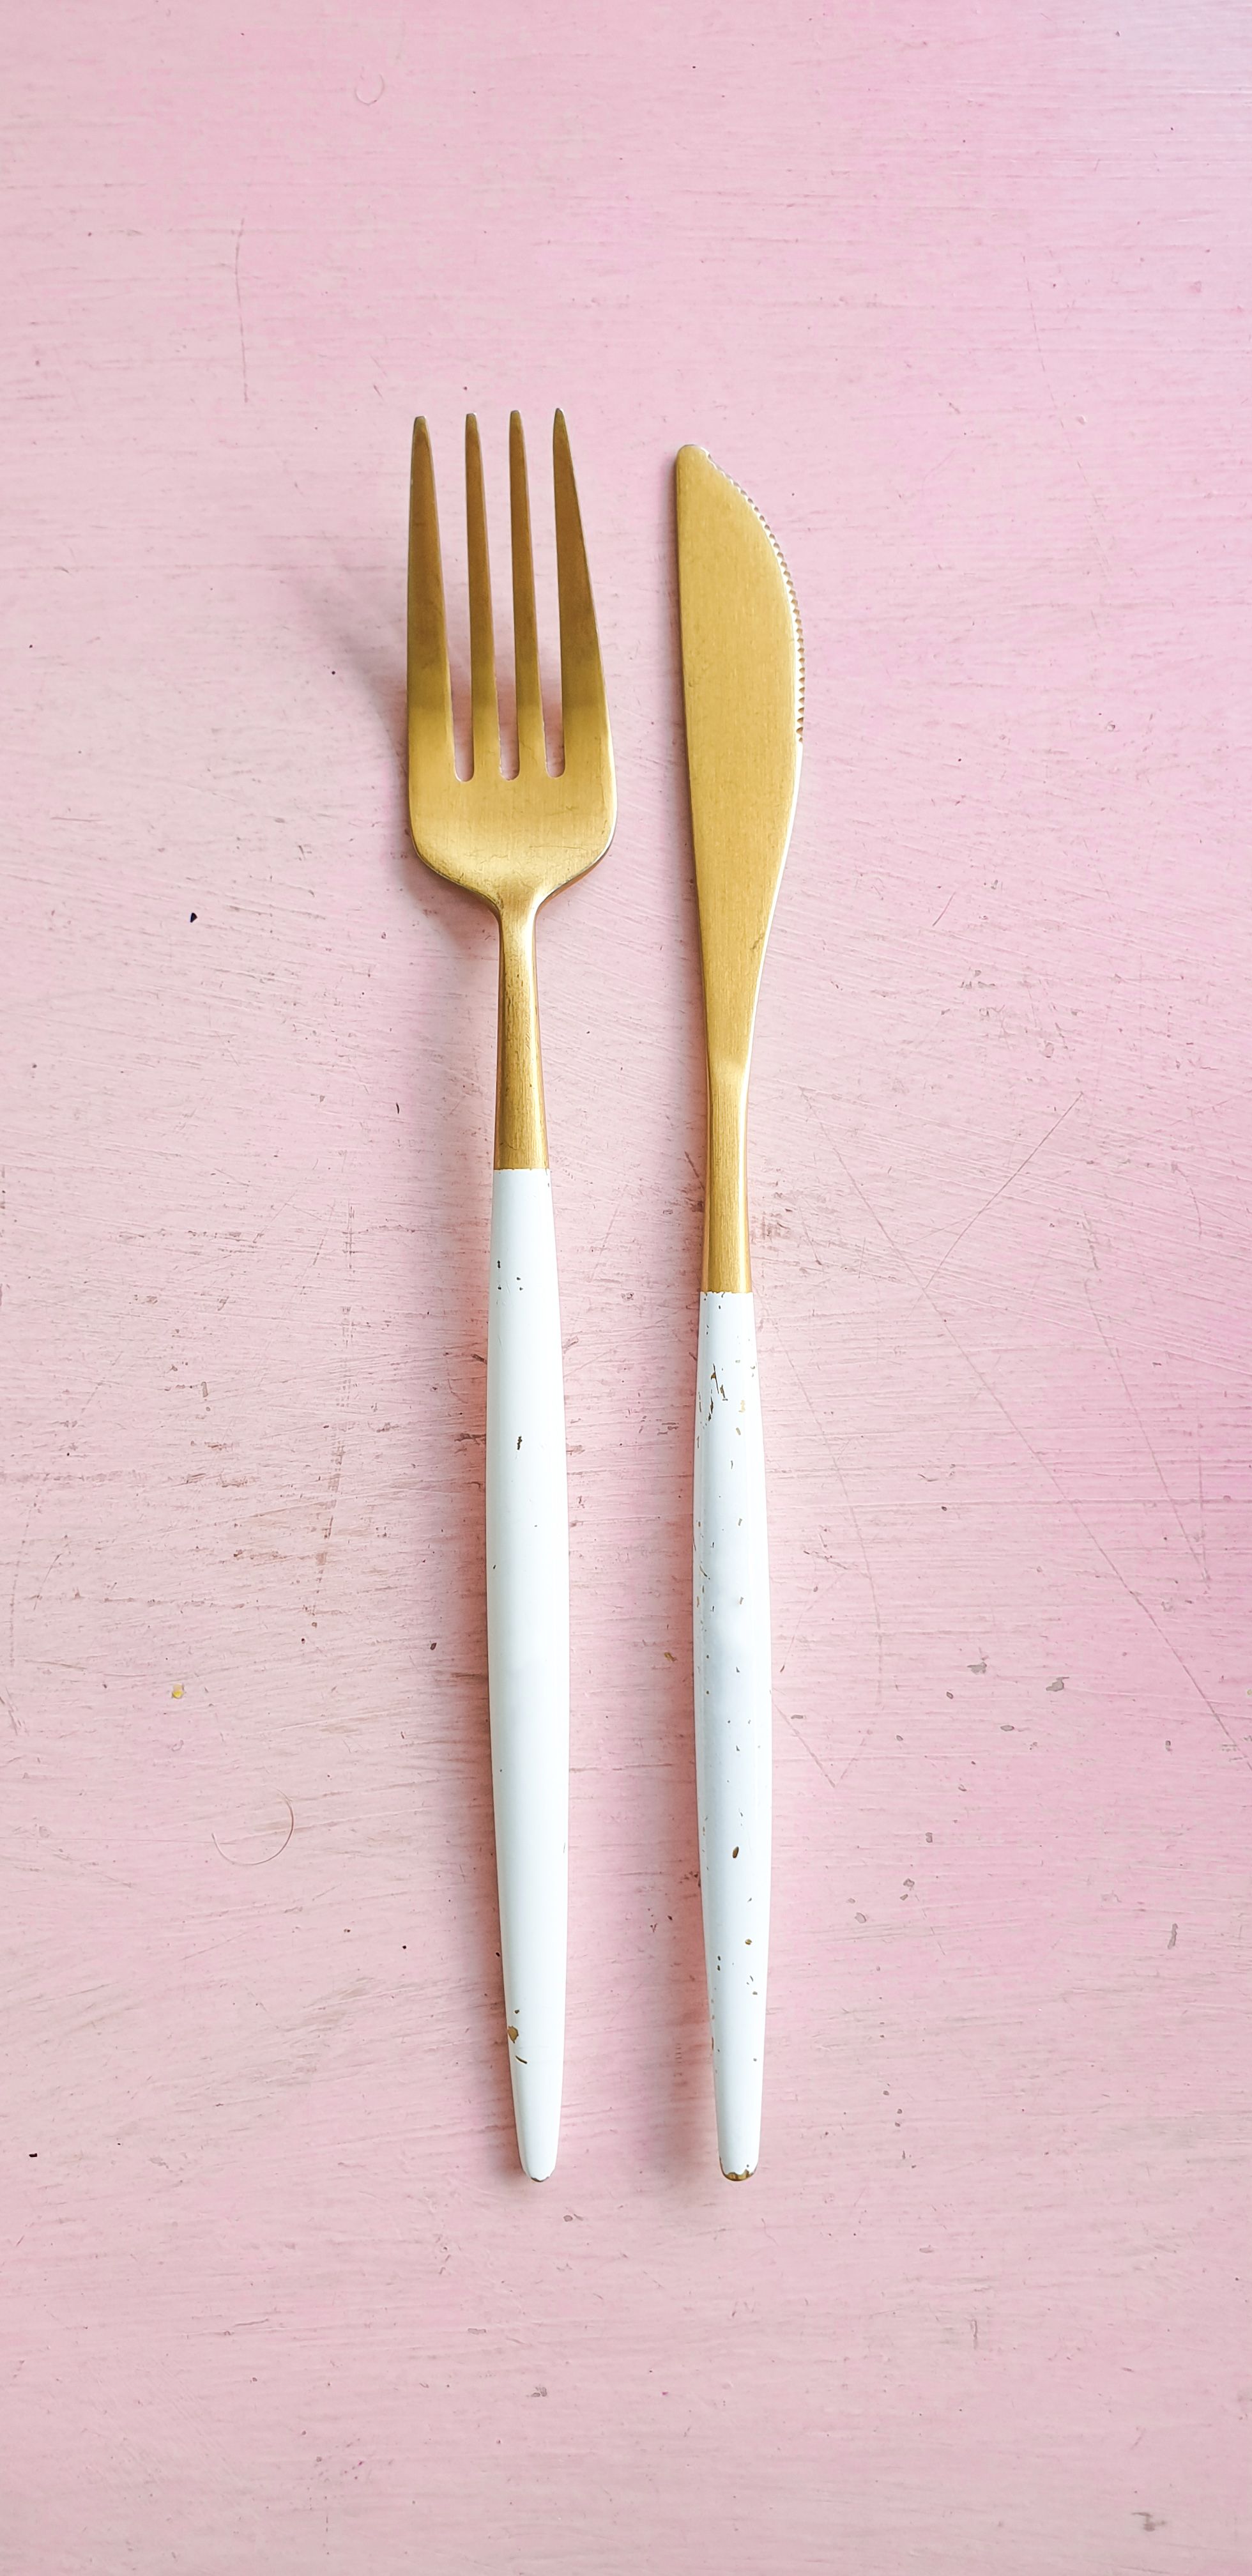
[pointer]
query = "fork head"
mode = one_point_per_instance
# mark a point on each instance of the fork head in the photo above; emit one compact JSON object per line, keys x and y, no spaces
{"x":513,"y":841}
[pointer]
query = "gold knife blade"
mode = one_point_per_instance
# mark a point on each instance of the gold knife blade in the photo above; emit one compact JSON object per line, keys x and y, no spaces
{"x":743,"y":693}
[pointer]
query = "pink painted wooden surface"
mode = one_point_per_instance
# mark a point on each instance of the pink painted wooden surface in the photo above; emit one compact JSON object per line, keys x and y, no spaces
{"x":959,"y":293}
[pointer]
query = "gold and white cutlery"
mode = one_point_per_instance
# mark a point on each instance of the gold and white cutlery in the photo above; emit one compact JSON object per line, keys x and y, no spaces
{"x":743,"y":691}
{"x":514,"y":841}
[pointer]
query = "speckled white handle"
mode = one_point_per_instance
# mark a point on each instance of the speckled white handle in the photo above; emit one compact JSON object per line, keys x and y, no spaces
{"x":528,"y":1647}
{"x":733,"y":1713}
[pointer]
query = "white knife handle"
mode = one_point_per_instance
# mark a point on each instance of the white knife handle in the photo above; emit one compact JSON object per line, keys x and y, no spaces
{"x":528,"y":1647}
{"x":733,"y":1715}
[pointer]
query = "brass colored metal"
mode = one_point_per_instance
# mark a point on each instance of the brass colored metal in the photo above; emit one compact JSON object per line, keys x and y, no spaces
{"x":743,"y":689}
{"x":512,"y":841}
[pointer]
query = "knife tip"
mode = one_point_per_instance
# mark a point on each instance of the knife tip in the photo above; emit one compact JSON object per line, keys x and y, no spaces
{"x":692,"y":466}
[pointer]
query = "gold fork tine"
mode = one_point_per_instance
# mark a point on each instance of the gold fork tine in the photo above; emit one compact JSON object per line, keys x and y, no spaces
{"x":430,"y":693}
{"x":584,"y":710}
{"x":530,"y":735}
{"x":486,"y":704}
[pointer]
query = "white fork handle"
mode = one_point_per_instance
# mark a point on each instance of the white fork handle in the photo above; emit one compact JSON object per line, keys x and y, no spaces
{"x":733,"y":1715}
{"x":528,"y":1647}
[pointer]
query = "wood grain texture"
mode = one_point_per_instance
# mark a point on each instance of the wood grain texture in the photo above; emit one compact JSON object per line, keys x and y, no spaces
{"x":959,"y":294}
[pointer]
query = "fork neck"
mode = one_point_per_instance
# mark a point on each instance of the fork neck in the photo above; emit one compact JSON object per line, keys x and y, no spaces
{"x":521,"y":1129}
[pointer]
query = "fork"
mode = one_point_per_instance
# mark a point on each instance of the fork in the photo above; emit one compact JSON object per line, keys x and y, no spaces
{"x":513,"y":842}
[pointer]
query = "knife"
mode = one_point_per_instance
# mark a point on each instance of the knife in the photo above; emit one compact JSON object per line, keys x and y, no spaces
{"x":743,"y":692}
